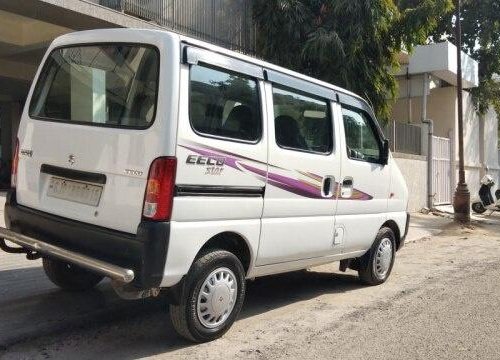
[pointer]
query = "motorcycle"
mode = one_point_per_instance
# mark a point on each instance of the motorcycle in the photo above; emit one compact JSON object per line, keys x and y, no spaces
{"x":486,"y":201}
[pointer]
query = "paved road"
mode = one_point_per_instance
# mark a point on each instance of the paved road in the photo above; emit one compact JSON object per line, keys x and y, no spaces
{"x":442,"y":301}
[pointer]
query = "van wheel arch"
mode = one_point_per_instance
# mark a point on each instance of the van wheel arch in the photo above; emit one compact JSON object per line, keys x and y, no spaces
{"x":228,"y":241}
{"x":232,"y":242}
{"x":391,"y":224}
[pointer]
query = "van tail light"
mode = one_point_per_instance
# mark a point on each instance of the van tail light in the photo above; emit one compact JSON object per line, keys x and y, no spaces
{"x":15,"y":163}
{"x":158,"y":199}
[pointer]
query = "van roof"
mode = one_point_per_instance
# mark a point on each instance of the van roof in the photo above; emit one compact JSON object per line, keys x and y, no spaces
{"x":226,"y":52}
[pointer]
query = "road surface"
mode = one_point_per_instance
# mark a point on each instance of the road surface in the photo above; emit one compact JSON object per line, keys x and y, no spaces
{"x":442,"y":301}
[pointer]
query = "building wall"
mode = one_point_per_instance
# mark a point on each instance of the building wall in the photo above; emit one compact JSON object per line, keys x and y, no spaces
{"x":472,"y":161}
{"x":441,"y":108}
{"x":491,"y":140}
{"x":9,"y":123}
{"x":414,"y":170}
{"x":480,"y":146}
{"x":480,"y":136}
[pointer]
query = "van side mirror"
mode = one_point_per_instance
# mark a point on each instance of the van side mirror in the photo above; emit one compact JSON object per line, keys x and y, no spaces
{"x":384,"y":156}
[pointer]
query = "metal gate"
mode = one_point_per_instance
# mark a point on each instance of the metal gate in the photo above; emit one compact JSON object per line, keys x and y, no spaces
{"x":441,"y":170}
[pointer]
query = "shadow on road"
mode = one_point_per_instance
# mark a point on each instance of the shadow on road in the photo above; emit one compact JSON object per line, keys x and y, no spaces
{"x":142,"y":328}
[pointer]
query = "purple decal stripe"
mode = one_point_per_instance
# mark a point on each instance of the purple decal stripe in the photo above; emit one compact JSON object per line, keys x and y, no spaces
{"x":312,"y":176}
{"x":359,"y":195}
{"x":225,"y":153}
{"x":293,"y":185}
{"x":229,"y":160}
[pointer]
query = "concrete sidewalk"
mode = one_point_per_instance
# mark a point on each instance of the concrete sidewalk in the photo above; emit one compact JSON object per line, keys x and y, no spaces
{"x":426,"y":226}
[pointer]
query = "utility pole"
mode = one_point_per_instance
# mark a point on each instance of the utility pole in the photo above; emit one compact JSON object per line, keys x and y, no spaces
{"x":461,"y":201}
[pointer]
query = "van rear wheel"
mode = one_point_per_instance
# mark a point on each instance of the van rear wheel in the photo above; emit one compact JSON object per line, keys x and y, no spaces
{"x":214,"y":291}
{"x":376,"y":265}
{"x":70,"y":277}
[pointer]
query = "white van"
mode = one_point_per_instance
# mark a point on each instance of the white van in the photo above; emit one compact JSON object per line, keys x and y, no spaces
{"x":164,"y":162}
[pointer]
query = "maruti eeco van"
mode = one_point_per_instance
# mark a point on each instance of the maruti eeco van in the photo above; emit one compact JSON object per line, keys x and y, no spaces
{"x":166,"y":163}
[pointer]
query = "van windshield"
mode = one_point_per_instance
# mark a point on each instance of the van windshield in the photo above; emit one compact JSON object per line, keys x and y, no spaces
{"x":104,"y":85}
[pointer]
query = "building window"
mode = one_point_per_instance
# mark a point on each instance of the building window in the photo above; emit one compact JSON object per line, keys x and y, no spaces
{"x":361,"y":140}
{"x":302,"y":122}
{"x":224,"y":104}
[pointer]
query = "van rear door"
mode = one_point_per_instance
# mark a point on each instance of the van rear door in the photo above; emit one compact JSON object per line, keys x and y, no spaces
{"x":90,"y":133}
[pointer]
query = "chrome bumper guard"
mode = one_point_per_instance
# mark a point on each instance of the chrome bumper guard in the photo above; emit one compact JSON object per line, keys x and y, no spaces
{"x":112,"y":271}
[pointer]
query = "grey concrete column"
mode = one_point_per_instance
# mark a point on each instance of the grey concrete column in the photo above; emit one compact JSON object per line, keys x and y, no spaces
{"x":6,"y":131}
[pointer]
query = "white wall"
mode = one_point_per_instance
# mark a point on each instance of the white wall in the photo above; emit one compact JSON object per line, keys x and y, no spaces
{"x":480,"y":146}
{"x":414,"y":170}
{"x":491,"y":140}
{"x":441,"y":60}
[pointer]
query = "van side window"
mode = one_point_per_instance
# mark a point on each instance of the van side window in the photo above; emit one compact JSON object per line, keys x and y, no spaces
{"x":361,"y":140}
{"x":302,"y":122}
{"x":225,"y":104}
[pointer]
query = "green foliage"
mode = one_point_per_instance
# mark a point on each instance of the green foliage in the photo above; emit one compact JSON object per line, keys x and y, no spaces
{"x":481,"y":40}
{"x":351,"y":43}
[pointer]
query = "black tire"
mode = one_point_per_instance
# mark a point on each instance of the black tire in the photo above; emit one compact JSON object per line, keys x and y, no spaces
{"x":478,"y":208}
{"x":367,"y":273}
{"x":70,"y":277}
{"x":184,"y":316}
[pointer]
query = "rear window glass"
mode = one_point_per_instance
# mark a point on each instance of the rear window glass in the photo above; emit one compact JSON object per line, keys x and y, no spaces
{"x":107,"y":85}
{"x":224,"y":104}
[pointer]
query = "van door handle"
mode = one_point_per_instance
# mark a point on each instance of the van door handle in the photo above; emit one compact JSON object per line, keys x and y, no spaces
{"x":327,"y":186}
{"x":347,"y":187}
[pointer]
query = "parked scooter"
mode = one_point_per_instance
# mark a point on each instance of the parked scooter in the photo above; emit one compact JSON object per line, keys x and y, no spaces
{"x":486,"y":201}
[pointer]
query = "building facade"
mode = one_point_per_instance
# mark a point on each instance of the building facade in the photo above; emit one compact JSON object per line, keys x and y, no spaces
{"x":427,"y":91}
{"x":27,"y":28}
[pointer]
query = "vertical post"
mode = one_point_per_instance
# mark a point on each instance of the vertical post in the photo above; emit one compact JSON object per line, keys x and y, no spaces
{"x":430,"y":151}
{"x":483,"y":162}
{"x":453,"y":165}
{"x":461,"y":203}
{"x":394,"y":139}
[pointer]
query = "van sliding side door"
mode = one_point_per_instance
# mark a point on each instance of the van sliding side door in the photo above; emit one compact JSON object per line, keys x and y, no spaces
{"x":304,"y":165}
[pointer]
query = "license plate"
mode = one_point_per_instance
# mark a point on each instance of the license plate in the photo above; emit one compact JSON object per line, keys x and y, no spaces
{"x":75,"y":191}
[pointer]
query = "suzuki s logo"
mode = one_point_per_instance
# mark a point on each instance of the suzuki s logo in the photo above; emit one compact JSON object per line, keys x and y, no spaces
{"x":71,"y":159}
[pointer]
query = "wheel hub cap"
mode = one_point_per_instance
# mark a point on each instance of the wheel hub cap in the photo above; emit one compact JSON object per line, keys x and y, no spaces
{"x":383,"y":258}
{"x":217,"y":297}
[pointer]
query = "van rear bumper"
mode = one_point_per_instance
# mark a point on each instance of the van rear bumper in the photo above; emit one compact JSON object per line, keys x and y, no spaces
{"x":112,"y":271}
{"x":144,"y":253}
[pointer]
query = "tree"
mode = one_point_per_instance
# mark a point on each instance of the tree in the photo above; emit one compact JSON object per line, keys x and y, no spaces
{"x":481,"y":40}
{"x":353,"y":44}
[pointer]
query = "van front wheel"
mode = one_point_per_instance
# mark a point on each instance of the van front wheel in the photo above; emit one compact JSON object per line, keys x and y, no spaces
{"x":376,"y":265}
{"x":213,"y":295}
{"x":70,"y":277}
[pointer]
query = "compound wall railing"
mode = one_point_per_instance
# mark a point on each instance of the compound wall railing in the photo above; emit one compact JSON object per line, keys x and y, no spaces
{"x":227,"y":23}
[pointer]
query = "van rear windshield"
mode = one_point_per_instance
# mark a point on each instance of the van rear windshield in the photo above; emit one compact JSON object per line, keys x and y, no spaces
{"x":103,"y":85}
